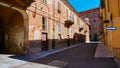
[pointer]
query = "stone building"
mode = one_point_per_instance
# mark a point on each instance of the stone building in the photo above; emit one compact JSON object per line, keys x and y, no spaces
{"x":31,"y":26}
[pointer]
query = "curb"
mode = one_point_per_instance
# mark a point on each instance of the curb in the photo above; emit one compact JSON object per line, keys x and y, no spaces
{"x":46,"y":53}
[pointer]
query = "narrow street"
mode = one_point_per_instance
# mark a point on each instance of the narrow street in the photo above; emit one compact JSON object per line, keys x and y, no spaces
{"x":59,"y":34}
{"x":85,"y":55}
{"x":78,"y":57}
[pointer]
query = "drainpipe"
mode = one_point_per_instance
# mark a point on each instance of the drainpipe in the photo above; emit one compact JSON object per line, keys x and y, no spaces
{"x":53,"y":40}
{"x":111,"y":24}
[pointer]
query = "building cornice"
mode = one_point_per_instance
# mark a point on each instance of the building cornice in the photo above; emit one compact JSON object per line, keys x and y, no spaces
{"x":70,"y":7}
{"x":98,"y":8}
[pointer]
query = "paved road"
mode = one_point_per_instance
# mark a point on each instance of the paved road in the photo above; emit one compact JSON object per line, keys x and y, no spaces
{"x":78,"y":57}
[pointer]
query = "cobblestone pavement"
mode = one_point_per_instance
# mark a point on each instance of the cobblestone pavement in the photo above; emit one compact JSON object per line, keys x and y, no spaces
{"x":78,"y":57}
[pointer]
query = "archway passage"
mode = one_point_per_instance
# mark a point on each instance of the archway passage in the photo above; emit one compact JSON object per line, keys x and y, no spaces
{"x":11,"y":31}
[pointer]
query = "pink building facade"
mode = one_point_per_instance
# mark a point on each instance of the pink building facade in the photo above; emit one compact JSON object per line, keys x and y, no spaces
{"x":49,"y":25}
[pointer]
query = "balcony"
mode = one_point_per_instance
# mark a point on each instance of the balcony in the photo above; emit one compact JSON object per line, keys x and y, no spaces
{"x":68,"y":23}
{"x":80,"y":29}
{"x":59,"y":11}
{"x":85,"y":31}
{"x":106,"y":21}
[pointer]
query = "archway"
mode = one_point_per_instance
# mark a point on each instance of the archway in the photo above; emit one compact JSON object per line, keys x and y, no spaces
{"x":16,"y":33}
{"x":13,"y":29}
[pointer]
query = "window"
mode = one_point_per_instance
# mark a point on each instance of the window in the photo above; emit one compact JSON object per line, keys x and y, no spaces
{"x":44,"y":24}
{"x":59,"y":28}
{"x":72,"y":17}
{"x":78,"y":21}
{"x":94,"y":14}
{"x":88,"y":15}
{"x":67,"y":31}
{"x":83,"y":16}
{"x":94,"y":20}
{"x":67,"y":14}
{"x":44,"y":1}
{"x":59,"y":7}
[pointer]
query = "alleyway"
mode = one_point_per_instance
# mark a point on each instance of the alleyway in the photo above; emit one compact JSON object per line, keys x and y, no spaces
{"x":79,"y":57}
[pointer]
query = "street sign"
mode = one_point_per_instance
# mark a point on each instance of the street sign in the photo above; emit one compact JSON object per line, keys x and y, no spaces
{"x":111,"y":28}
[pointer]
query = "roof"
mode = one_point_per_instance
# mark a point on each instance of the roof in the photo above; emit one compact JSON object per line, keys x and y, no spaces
{"x":90,"y":10}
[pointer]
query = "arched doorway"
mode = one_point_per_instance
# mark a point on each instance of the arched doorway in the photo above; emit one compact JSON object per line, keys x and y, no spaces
{"x":16,"y":33}
{"x":13,"y":30}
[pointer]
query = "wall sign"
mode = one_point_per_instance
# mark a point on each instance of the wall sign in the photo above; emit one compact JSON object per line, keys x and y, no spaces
{"x":111,"y":28}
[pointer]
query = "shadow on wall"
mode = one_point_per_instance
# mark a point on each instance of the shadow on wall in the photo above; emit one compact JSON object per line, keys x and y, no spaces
{"x":41,"y":45}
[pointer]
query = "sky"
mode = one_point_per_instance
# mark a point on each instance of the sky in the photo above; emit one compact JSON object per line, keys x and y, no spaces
{"x":82,"y":5}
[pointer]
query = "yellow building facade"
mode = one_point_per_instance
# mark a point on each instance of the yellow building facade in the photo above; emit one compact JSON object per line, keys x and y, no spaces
{"x":110,"y":16}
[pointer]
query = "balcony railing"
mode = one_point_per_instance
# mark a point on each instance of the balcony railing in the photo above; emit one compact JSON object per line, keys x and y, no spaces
{"x":80,"y":29}
{"x":68,"y":23}
{"x":59,"y":10}
{"x":85,"y":31}
{"x":106,"y":21}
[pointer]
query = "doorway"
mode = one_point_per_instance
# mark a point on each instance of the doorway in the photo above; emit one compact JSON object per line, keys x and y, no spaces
{"x":68,"y":40}
{"x":95,"y":37}
{"x":13,"y":31}
{"x":44,"y":42}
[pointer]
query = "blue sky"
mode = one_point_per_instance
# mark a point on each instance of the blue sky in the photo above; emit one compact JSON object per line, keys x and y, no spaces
{"x":82,"y":5}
